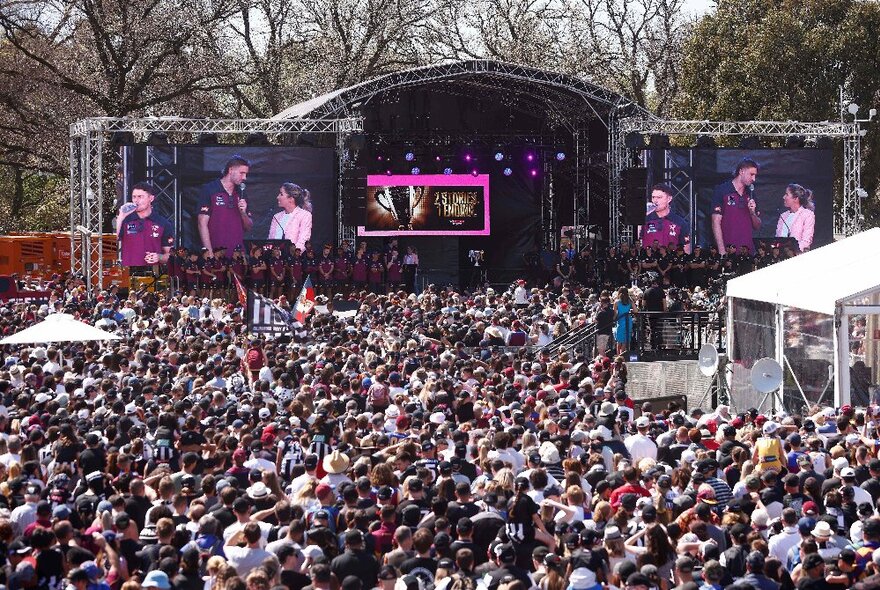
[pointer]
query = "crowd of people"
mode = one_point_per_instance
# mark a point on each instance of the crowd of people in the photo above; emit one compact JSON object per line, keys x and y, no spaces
{"x":403,"y":447}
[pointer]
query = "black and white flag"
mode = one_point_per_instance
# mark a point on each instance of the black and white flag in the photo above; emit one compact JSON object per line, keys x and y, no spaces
{"x":265,"y":317}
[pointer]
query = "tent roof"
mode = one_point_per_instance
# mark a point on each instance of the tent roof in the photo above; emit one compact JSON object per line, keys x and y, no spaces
{"x":566,"y":96}
{"x":59,"y":327}
{"x":819,"y":279}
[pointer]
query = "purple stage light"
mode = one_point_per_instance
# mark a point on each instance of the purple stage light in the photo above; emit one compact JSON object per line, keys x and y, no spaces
{"x":475,"y":172}
{"x":416,"y":170}
{"x":508,"y":172}
{"x":533,"y":172}
{"x":447,"y":171}
{"x":530,"y":157}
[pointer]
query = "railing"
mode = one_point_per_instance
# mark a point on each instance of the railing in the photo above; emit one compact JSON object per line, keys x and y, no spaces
{"x":580,"y":340}
{"x":675,"y":335}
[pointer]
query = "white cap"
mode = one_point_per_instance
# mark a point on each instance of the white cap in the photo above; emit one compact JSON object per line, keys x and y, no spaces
{"x":840,"y":463}
{"x":770,"y":427}
{"x":264,"y":413}
{"x":437,"y":418}
{"x":643,"y":422}
{"x":847,"y":472}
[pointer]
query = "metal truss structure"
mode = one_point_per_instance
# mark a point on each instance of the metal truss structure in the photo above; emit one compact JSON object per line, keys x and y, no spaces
{"x":91,"y":147}
{"x":566,"y":99}
{"x":847,"y":217}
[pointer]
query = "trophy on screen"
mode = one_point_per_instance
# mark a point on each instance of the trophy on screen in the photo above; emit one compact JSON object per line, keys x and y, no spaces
{"x":400,"y":202}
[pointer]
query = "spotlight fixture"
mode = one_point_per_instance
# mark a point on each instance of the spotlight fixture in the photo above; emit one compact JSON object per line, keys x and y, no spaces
{"x":824,"y":143}
{"x":121,"y":138}
{"x":499,"y":156}
{"x":530,"y":157}
{"x":257,"y":138}
{"x":157,"y":138}
{"x":447,"y":171}
{"x":794,"y":142}
{"x":208,"y":139}
{"x":508,"y":172}
{"x":415,"y":170}
{"x":409,"y":156}
{"x":475,"y":172}
{"x":380,"y":158}
{"x":533,"y":172}
{"x":659,"y":141}
{"x":468,"y":158}
{"x":706,"y":142}
{"x":751,"y":142}
{"x":560,"y":156}
{"x":634,"y":141}
{"x":388,"y":172}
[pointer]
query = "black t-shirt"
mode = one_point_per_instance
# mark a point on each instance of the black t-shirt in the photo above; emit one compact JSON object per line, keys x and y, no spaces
{"x":137,"y":507}
{"x":654,"y":299}
{"x":50,"y":569}
{"x":92,"y":460}
{"x":294,"y":580}
{"x":191,"y":437}
{"x":423,"y":568}
{"x":188,"y":581}
{"x":456,"y":511}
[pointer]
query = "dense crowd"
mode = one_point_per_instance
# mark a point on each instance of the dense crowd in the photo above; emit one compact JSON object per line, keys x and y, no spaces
{"x":410,"y":446}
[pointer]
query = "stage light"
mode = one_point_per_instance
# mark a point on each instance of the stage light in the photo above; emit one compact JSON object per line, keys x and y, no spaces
{"x":388,"y":172}
{"x":468,"y":158}
{"x":409,"y":156}
{"x":499,"y":156}
{"x":533,"y":172}
{"x":861,"y":193}
{"x":379,"y":158}
{"x":475,"y":172}
{"x":794,"y":142}
{"x":853,"y":108}
{"x":121,"y":138}
{"x":208,"y":139}
{"x":750,"y":142}
{"x":415,"y":170}
{"x":706,"y":142}
{"x":447,"y":171}
{"x":437,"y":158}
{"x":658,"y":141}
{"x":530,"y":157}
{"x":560,"y":156}
{"x":634,"y":140}
{"x":157,"y":138}
{"x":508,"y":172}
{"x":824,"y":143}
{"x":257,"y":138}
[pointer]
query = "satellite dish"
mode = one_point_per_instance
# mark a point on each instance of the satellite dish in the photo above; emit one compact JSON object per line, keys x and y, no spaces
{"x":766,"y":375}
{"x":707,"y":360}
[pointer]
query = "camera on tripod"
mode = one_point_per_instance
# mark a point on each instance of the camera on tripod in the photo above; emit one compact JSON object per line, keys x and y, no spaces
{"x":476,"y":256}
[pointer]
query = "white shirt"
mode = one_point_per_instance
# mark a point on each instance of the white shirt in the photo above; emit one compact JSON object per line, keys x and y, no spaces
{"x":23,"y":516}
{"x":640,"y":447}
{"x":245,"y":560}
{"x":861,"y":495}
{"x":10,"y":458}
{"x":780,"y":544}
{"x":521,"y":296}
{"x":511,"y":456}
{"x":261,"y":464}
{"x":265,"y":527}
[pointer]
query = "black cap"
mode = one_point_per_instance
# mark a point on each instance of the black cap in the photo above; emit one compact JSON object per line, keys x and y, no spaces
{"x":813,"y":560}
{"x":638,"y":579}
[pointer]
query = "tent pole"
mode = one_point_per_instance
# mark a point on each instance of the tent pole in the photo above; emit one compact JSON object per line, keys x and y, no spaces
{"x":841,"y":358}
{"x":780,"y":357}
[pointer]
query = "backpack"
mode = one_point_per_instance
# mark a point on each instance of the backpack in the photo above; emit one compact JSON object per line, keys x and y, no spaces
{"x":461,"y":582}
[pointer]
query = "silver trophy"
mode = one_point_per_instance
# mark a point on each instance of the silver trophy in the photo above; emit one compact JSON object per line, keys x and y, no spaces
{"x":401,"y":201}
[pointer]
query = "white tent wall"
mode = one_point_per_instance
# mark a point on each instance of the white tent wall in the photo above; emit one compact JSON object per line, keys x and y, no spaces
{"x":803,"y":306}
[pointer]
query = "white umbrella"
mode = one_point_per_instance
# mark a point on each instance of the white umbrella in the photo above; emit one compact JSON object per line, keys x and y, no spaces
{"x":59,"y":327}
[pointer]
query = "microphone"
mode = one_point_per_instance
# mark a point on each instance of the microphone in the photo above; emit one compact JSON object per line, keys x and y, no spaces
{"x":276,"y":222}
{"x":243,"y":186}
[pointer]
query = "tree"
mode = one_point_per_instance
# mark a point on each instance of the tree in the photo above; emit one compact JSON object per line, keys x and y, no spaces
{"x":786,"y":60}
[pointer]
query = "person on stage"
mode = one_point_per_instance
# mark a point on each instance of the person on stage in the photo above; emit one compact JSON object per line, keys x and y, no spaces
{"x":663,"y":226}
{"x":223,"y":212}
{"x":294,"y":221}
{"x":798,"y":221}
{"x":145,"y":237}
{"x":735,"y":215}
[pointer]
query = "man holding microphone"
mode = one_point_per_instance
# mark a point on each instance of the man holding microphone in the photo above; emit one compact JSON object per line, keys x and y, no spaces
{"x":734,"y":213}
{"x":145,"y":237}
{"x":223,"y":214}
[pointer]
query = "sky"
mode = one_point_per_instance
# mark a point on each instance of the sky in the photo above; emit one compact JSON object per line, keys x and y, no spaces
{"x":698,"y":7}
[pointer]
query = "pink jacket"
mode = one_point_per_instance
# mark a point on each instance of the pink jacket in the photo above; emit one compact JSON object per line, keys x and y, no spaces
{"x":800,"y":227}
{"x":298,"y":228}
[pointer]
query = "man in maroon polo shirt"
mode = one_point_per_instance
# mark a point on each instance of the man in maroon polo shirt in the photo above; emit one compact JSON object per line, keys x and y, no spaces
{"x":223,"y":214}
{"x":145,"y":237}
{"x":735,"y":216}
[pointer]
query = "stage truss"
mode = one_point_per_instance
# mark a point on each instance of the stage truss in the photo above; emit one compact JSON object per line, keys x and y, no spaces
{"x":91,"y":148}
{"x":847,"y":216}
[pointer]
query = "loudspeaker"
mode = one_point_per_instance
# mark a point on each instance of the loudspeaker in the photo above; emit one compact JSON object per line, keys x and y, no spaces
{"x":354,"y":196}
{"x":635,"y":195}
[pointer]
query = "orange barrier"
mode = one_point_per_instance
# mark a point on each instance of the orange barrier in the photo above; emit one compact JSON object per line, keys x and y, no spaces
{"x":42,"y":255}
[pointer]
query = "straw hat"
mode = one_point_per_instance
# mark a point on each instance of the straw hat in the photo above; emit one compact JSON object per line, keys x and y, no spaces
{"x":336,"y":462}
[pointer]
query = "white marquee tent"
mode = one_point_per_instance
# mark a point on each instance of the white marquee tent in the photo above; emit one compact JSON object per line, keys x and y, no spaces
{"x":59,"y":327}
{"x":812,"y":298}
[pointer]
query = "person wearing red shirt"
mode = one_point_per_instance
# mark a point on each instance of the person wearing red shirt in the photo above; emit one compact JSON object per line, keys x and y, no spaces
{"x":632,"y":486}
